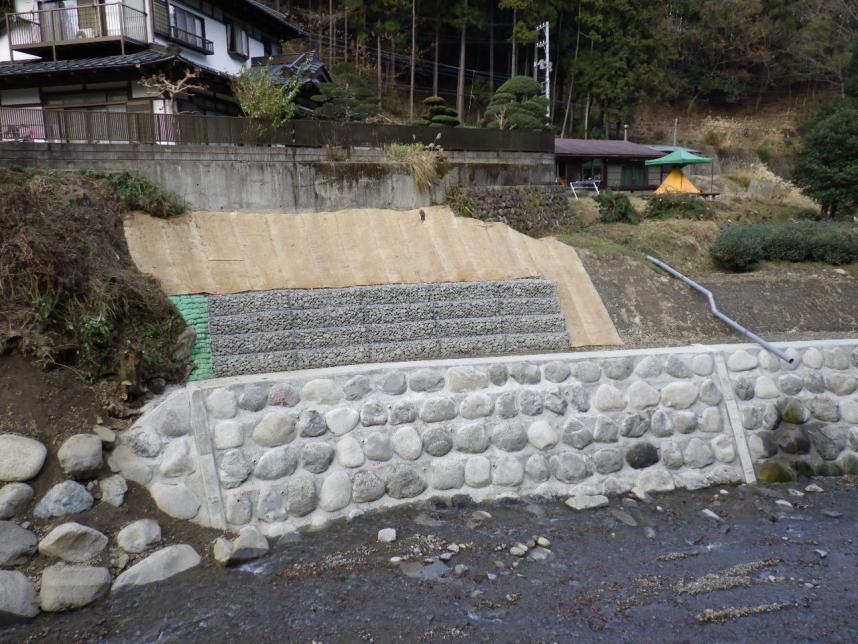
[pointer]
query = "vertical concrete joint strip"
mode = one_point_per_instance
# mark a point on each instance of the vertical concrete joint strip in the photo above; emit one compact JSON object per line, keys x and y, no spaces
{"x":734,"y":418}
{"x":206,"y":459}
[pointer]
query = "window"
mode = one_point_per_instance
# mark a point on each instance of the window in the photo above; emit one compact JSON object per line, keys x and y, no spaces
{"x":189,"y":29}
{"x":238,"y":42}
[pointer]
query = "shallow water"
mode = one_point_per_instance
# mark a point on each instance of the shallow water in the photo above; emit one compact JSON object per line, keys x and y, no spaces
{"x":603,"y":581}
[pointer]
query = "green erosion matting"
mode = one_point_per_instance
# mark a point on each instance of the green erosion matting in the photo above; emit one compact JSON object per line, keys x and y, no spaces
{"x":195,"y":311}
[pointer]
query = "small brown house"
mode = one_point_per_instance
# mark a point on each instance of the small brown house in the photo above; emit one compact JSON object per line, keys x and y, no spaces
{"x":618,"y":165}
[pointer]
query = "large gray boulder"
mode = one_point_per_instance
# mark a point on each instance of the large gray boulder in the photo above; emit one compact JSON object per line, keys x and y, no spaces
{"x":68,"y":497}
{"x":80,"y":456}
{"x":160,"y":565}
{"x":21,"y":458}
{"x":73,"y":542}
{"x":17,"y":598}
{"x":248,"y":545}
{"x":14,"y":498}
{"x":69,"y":587}
{"x":16,"y":544}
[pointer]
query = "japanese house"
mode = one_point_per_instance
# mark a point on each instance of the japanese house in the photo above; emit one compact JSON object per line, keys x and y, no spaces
{"x":612,"y":164}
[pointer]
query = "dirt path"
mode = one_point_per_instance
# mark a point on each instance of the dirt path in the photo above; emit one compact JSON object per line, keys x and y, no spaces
{"x":779,"y":302}
{"x":636,"y":571}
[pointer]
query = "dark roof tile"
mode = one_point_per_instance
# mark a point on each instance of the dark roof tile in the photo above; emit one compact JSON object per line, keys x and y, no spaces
{"x":603,"y":148}
{"x":146,"y":57}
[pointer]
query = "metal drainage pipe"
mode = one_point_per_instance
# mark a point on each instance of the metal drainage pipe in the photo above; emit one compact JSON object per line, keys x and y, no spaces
{"x":728,"y":321}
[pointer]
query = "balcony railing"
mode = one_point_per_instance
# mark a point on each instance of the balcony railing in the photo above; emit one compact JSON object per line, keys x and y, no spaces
{"x":80,"y":25}
{"x":192,"y":40}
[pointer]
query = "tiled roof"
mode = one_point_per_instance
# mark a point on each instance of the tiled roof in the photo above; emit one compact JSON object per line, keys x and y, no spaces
{"x":277,"y":15}
{"x":603,"y":148}
{"x":146,"y":57}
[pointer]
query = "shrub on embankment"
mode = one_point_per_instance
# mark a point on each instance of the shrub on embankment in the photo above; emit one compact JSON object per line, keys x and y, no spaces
{"x":70,"y":293}
{"x":741,"y":247}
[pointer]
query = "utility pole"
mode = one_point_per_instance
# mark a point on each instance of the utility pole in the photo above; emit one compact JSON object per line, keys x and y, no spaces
{"x":675,"y":127}
{"x":544,"y":64}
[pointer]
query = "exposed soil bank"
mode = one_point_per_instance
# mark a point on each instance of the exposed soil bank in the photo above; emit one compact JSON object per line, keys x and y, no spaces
{"x":650,"y":308}
{"x":765,"y":572}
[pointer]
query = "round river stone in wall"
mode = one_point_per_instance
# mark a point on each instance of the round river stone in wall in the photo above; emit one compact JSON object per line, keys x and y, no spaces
{"x":542,"y":435}
{"x":641,"y":455}
{"x":177,"y":459}
{"x":661,"y":424}
{"x":254,"y":398}
{"x":607,"y":460}
{"x":283,"y":394}
{"x":234,"y":469}
{"x":587,"y":372}
{"x":367,"y":486}
{"x":744,"y":388}
{"x":569,"y":468}
{"x":349,"y":452}
{"x":679,"y":395}
{"x":530,"y":402}
{"x":407,"y":444}
{"x":336,"y":492}
{"x":509,"y":436}
{"x":478,"y":471}
{"x":709,"y":392}
{"x":537,"y":468}
{"x":435,"y":410}
{"x":472,"y":438}
{"x":277,"y":463}
{"x":556,"y":371}
{"x":322,"y":391}
{"x":448,"y":474}
{"x":635,"y":425}
{"x":697,"y":453}
{"x":476,"y":405}
{"x":393,"y":383}
{"x":376,"y":445}
{"x":576,"y":434}
{"x":275,"y":428}
{"x":356,"y":388}
{"x":373,"y":413}
{"x":606,"y":430}
{"x":403,"y":411}
{"x":426,"y":380}
{"x":403,"y":481}
{"x":641,"y":395}
{"x":342,"y":420}
{"x":741,"y":361}
{"x":702,"y":364}
{"x":677,"y":367}
{"x":176,"y":500}
{"x":437,"y":441}
{"x":464,"y":379}
{"x":300,"y":495}
{"x":609,"y":398}
{"x":507,"y":471}
{"x":228,"y":434}
{"x":498,"y":374}
{"x":145,"y":442}
{"x":649,"y":367}
{"x":221,"y":403}
{"x":316,"y":457}
{"x":506,"y":405}
{"x":524,"y":373}
{"x":311,"y":423}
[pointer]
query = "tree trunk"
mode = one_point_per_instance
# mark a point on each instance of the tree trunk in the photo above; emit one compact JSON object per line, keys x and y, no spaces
{"x":535,"y":59}
{"x":566,"y":113}
{"x":413,"y":52}
{"x":491,"y":47}
{"x":435,"y":66}
{"x":331,"y":56}
{"x":378,"y":64}
{"x":513,"y":68}
{"x":319,"y":28}
{"x":587,"y":117}
{"x":556,"y":60}
{"x":391,"y":67}
{"x":460,"y":86}
{"x":346,"y":33}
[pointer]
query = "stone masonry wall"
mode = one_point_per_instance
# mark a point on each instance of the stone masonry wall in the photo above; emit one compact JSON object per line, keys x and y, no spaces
{"x":524,"y":208}
{"x":287,"y":451}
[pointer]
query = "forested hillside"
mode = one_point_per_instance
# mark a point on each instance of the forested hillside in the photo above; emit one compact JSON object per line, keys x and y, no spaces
{"x":606,"y":54}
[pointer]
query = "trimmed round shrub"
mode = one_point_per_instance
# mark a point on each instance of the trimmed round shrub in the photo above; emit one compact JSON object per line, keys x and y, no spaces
{"x":429,"y":101}
{"x":520,"y":87}
{"x":736,"y":249}
{"x":443,"y":119}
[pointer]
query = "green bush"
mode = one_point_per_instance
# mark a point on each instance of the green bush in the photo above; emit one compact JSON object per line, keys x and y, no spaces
{"x":678,"y":207}
{"x":615,"y":207}
{"x":135,"y":192}
{"x":741,"y":247}
{"x":429,"y":101}
{"x":444,"y":119}
{"x":764,"y":155}
{"x":517,"y":105}
{"x":438,"y":113}
{"x":521,"y":87}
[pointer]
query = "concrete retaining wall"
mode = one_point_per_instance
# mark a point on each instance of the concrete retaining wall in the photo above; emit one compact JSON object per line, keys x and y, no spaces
{"x":272,"y":179}
{"x":300,"y":329}
{"x":287,"y":451}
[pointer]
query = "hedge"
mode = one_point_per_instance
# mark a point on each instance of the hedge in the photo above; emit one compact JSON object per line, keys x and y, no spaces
{"x":740,"y":247}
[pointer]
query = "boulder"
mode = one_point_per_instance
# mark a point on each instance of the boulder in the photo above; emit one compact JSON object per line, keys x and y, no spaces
{"x":248,"y":545}
{"x":17,"y":598}
{"x":68,"y":497}
{"x":14,"y":499}
{"x":69,"y":587}
{"x":21,"y":458}
{"x":17,"y":545}
{"x":73,"y":542}
{"x":80,"y":456}
{"x":176,"y":500}
{"x":160,"y":565}
{"x":139,"y":536}
{"x":113,"y":490}
{"x":587,"y":501}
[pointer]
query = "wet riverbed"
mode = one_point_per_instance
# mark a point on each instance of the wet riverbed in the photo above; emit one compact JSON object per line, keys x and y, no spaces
{"x":636,"y":571}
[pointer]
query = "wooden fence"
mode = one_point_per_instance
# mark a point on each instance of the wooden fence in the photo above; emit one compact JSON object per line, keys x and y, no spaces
{"x":64,"y":126}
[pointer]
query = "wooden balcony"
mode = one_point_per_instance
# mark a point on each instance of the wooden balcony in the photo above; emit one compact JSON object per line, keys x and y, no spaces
{"x":97,"y":30}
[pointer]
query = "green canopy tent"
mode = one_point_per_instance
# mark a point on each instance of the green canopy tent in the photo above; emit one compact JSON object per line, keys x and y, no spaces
{"x":676,"y":181}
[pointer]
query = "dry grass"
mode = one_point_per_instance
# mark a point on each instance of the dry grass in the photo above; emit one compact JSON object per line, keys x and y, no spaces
{"x":424,"y":162}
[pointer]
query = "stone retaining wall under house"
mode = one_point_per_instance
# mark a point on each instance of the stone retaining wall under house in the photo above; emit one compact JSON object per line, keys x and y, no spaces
{"x":295,"y":450}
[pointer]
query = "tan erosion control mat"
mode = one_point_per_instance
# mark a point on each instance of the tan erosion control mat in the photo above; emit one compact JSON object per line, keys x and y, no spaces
{"x":216,"y":252}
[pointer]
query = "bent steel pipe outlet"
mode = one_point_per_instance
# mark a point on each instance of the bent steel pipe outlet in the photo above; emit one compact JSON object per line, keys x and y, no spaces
{"x":726,"y":320}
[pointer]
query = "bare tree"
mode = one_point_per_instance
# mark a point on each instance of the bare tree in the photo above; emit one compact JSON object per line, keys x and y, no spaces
{"x":172,"y":89}
{"x":413,"y":53}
